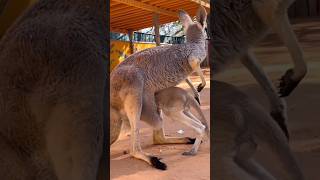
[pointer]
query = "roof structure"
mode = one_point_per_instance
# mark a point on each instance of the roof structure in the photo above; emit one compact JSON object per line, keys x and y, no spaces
{"x":132,"y":15}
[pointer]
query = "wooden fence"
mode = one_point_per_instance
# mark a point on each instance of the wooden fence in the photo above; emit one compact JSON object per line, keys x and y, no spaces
{"x":304,"y":8}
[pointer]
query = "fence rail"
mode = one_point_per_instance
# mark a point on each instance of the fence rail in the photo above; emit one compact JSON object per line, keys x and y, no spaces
{"x":143,"y":37}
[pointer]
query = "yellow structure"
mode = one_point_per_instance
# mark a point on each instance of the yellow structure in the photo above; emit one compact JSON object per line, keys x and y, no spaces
{"x":119,"y":50}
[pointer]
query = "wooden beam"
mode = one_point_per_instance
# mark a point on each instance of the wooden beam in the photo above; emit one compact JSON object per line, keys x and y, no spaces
{"x":201,"y":2}
{"x":119,"y":30}
{"x":147,"y":7}
{"x":130,"y":33}
{"x":156,"y":28}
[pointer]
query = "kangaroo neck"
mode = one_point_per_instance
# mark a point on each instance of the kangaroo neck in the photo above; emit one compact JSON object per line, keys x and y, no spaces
{"x":195,"y":41}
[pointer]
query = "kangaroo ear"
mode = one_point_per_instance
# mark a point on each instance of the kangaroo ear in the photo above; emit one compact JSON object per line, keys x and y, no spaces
{"x":202,"y":15}
{"x":185,"y":19}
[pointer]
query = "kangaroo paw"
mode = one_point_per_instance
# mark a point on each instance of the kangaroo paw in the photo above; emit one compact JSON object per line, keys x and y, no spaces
{"x":200,"y":87}
{"x":287,"y":84}
{"x":278,"y":117}
{"x":155,"y":162}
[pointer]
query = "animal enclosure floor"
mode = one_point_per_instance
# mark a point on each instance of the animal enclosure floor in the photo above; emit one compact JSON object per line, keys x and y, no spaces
{"x":303,"y":103}
{"x":123,"y":167}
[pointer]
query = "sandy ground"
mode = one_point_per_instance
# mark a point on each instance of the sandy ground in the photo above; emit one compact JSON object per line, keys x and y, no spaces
{"x":124,"y":167}
{"x":303,"y":103}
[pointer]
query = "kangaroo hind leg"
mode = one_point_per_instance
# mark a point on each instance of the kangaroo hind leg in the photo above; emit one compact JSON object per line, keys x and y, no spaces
{"x":159,"y":137}
{"x":193,"y":123}
{"x":133,"y":108}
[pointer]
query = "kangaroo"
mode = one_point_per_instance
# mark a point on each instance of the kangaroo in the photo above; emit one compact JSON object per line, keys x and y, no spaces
{"x":53,"y":77}
{"x":134,"y":82}
{"x":176,"y":104}
{"x":240,"y":126}
{"x":236,"y":26}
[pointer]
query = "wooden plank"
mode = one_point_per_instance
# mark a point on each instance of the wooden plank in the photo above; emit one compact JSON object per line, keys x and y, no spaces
{"x":147,"y":7}
{"x":128,"y":23}
{"x":118,"y":30}
{"x":201,"y":2}
{"x":135,"y":17}
{"x":123,"y":6}
{"x":131,"y":11}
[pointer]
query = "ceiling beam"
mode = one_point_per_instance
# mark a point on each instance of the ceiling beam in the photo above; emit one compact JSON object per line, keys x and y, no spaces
{"x":202,"y":3}
{"x":147,"y":7}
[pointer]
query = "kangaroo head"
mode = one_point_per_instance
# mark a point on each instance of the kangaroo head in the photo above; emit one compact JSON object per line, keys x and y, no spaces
{"x":194,"y":31}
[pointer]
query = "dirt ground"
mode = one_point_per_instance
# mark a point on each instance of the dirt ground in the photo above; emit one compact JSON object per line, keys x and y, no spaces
{"x":303,"y":103}
{"x":303,"y":110}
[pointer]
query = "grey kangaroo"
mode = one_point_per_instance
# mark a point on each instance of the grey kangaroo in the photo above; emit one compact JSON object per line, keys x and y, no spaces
{"x":53,"y":71}
{"x":236,"y":26}
{"x":176,"y":104}
{"x":240,"y":125}
{"x":134,"y":82}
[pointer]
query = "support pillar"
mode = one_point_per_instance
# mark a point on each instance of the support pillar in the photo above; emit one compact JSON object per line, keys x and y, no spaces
{"x":156,"y":24}
{"x":130,"y":34}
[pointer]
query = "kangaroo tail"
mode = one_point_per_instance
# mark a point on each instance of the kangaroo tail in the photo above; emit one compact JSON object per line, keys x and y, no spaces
{"x":271,"y":134}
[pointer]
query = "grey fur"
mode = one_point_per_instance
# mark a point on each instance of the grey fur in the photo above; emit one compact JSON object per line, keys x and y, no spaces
{"x":135,"y":81}
{"x":53,"y":68}
{"x":240,"y":125}
{"x":176,"y":104}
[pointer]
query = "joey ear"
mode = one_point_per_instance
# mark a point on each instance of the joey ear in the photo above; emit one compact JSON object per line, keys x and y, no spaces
{"x":202,"y":16}
{"x":185,"y":19}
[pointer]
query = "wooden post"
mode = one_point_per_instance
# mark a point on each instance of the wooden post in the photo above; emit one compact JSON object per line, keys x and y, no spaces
{"x":156,"y":28}
{"x":130,"y":34}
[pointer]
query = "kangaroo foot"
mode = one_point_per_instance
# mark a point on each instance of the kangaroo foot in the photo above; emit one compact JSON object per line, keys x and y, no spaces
{"x":287,"y":84}
{"x":280,"y":119}
{"x":189,"y":153}
{"x":156,"y":163}
{"x":152,"y":160}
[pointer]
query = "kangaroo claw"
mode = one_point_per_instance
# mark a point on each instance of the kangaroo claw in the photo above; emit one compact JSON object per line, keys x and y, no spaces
{"x":287,"y":84}
{"x":197,"y":99}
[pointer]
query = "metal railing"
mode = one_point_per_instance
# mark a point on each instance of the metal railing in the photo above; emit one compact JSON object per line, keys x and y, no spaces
{"x":143,"y":37}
